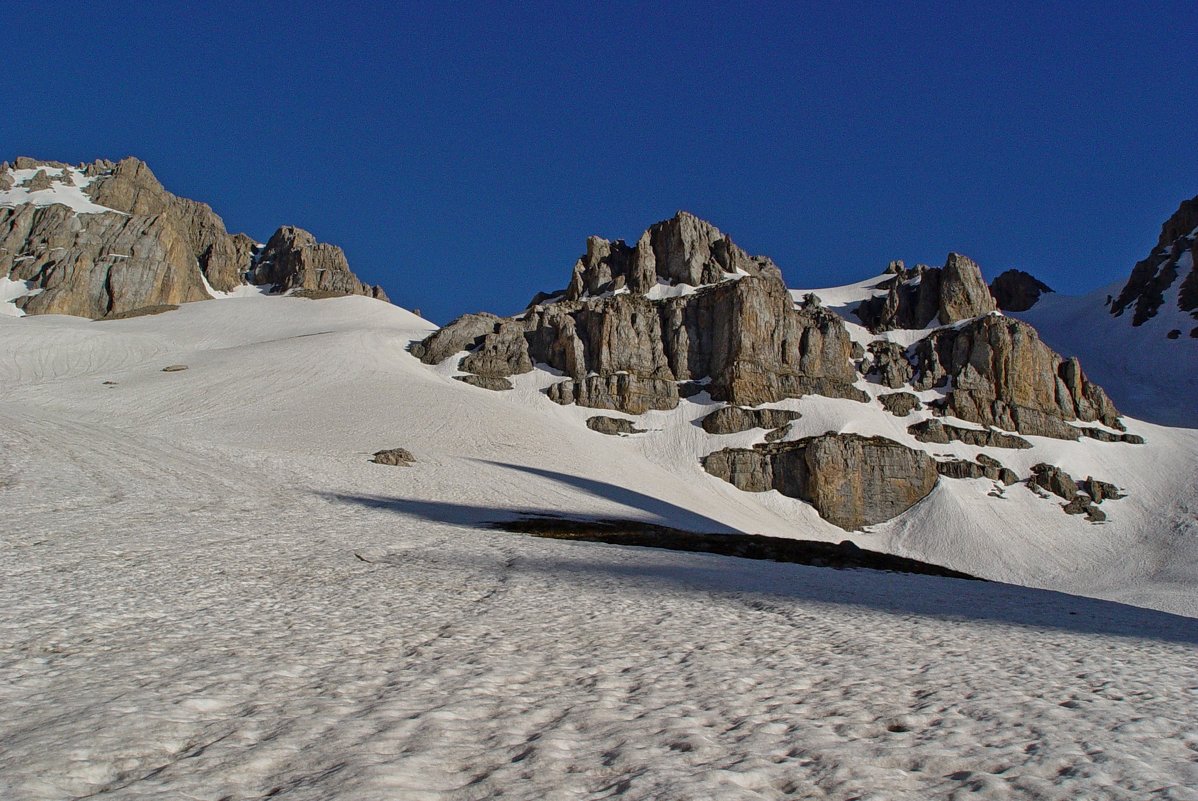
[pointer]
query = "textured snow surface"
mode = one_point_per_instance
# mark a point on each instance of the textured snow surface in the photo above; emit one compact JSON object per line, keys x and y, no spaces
{"x":207,"y":591}
{"x":58,"y":193}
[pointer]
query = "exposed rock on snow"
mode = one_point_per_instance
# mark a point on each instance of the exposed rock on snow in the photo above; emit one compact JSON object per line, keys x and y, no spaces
{"x":890,"y":364}
{"x":900,"y":404}
{"x":984,"y":467}
{"x":612,"y":425}
{"x":106,"y":238}
{"x":394,"y":457}
{"x":733,"y":419}
{"x":293,"y":259}
{"x":1002,"y":375}
{"x":626,"y":347}
{"x":1175,"y":254}
{"x":682,"y":250}
{"x":918,"y":296}
{"x":1016,"y":290}
{"x":485,"y":382}
{"x":943,"y":433}
{"x":852,"y":481}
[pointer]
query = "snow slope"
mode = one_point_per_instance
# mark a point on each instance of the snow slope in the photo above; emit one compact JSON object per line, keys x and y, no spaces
{"x":209,"y":592}
{"x":1147,"y":374}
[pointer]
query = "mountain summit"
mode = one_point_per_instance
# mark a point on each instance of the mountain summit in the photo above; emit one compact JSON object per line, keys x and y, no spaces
{"x":105,"y":239}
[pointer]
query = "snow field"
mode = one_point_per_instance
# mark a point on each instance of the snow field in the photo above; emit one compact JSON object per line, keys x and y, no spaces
{"x":209,"y":593}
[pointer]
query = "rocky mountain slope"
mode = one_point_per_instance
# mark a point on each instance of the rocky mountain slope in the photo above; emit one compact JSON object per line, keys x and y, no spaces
{"x":105,"y":239}
{"x":687,"y":316}
{"x":1139,"y":337}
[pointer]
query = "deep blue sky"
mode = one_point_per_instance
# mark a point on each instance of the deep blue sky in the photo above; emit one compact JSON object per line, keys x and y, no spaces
{"x":462,"y":155}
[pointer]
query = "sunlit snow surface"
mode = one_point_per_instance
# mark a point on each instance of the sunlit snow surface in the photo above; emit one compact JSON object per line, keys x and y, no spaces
{"x":207,"y":591}
{"x":58,"y":193}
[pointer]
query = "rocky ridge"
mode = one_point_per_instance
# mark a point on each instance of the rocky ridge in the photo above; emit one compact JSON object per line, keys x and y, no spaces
{"x":106,"y":238}
{"x":631,"y":326}
{"x":1174,"y":261}
{"x":685,"y":310}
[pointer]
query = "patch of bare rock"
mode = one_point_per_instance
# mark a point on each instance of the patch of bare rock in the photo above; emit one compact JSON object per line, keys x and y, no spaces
{"x":394,"y":457}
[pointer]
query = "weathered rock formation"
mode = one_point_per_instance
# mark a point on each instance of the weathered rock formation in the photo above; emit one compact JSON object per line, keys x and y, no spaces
{"x":394,"y":457}
{"x":1082,"y":496}
{"x":1145,"y":289}
{"x":680,"y":250}
{"x":293,"y":259}
{"x":900,"y":404}
{"x":1000,"y":374}
{"x":616,"y":426}
{"x":942,"y":433}
{"x":852,"y":481}
{"x":733,"y":419}
{"x":138,"y":245}
{"x":921,"y":295}
{"x":1016,"y":290}
{"x":622,"y":347}
{"x":984,"y":467}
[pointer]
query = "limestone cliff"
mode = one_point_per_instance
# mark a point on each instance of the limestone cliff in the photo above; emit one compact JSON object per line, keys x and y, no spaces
{"x":106,"y":238}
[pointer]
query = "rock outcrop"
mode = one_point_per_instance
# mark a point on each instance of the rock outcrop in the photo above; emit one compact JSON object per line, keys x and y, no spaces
{"x":616,"y":426}
{"x":1016,"y":290}
{"x":127,"y":244}
{"x":734,"y":419}
{"x":622,"y":344}
{"x":293,"y":259}
{"x":939,"y":432}
{"x":394,"y":457}
{"x":984,"y":467}
{"x":1144,"y":292}
{"x":1000,"y":374}
{"x":900,"y":404}
{"x":1082,"y":496}
{"x":683,"y":250}
{"x":851,"y":480}
{"x":915,"y":298}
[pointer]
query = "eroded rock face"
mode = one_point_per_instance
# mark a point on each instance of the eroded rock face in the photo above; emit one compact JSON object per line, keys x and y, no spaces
{"x":1016,"y":290}
{"x":1145,"y":289}
{"x":681,"y":250}
{"x":917,"y":297}
{"x":1002,"y":375}
{"x":733,"y":419}
{"x":629,"y":351}
{"x":293,"y":259}
{"x":144,"y":247}
{"x":852,"y":481}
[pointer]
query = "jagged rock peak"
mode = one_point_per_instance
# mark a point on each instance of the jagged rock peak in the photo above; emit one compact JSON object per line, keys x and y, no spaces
{"x":1175,"y":256}
{"x":106,"y":238}
{"x":293,"y":259}
{"x":683,"y":251}
{"x":1016,"y":290}
{"x":918,"y":296}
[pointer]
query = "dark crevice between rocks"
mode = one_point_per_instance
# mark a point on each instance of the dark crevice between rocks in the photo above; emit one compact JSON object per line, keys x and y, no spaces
{"x":842,"y":556}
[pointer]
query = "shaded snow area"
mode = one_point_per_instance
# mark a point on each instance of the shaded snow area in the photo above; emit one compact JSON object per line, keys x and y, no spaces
{"x":1147,"y":374}
{"x":207,"y":591}
{"x":60,"y":192}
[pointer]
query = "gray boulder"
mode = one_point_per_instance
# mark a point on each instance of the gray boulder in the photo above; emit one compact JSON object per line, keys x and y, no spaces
{"x":900,"y":404}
